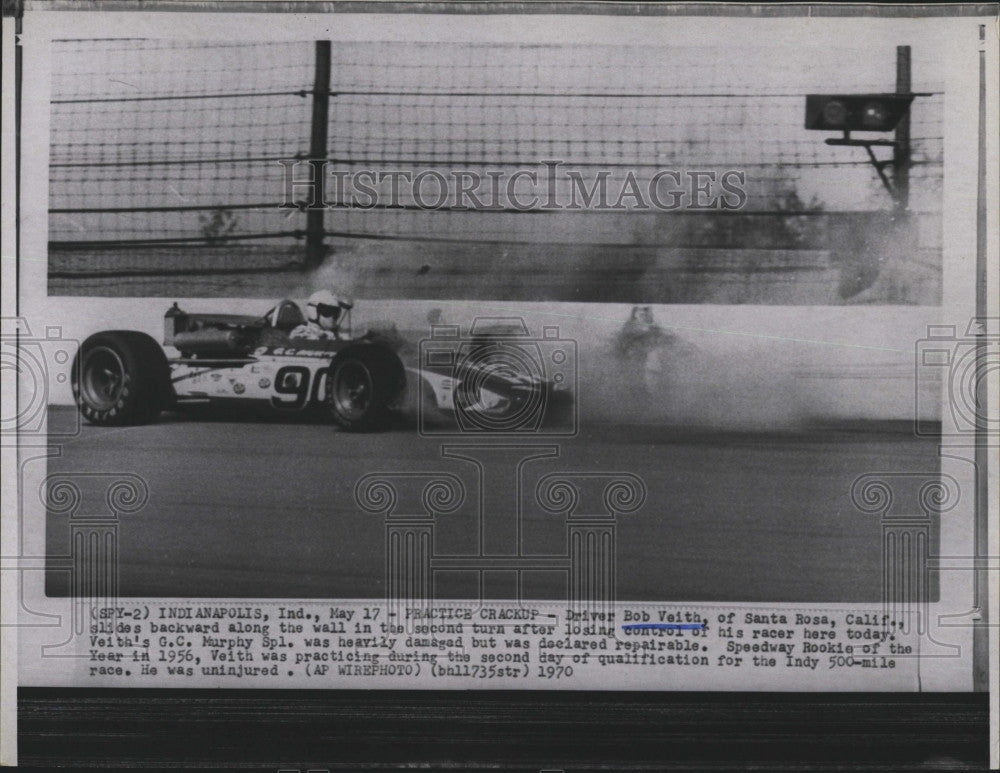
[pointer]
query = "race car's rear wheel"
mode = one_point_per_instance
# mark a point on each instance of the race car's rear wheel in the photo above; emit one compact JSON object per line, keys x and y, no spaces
{"x":120,"y":378}
{"x":361,"y":387}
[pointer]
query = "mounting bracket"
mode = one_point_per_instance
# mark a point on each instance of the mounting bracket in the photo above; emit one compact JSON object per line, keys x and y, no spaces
{"x":879,"y":164}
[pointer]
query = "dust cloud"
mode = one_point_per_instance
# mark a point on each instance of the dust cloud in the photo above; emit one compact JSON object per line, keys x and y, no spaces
{"x":689,"y":380}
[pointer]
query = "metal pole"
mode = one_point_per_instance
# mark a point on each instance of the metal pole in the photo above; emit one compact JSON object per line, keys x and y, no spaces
{"x":981,"y":630}
{"x":315,"y":249}
{"x":901,"y":154}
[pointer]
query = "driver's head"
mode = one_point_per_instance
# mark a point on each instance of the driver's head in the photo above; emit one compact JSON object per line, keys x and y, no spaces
{"x":324,"y":308}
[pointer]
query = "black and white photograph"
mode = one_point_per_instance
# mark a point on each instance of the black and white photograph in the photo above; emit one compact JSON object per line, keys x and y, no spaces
{"x":503,"y":351}
{"x":398,"y":307}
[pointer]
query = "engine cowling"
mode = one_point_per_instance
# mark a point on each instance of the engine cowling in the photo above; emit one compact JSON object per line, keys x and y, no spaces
{"x":212,"y":343}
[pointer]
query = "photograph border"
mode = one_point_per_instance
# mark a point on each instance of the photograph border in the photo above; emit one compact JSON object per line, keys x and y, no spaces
{"x":187,"y":727}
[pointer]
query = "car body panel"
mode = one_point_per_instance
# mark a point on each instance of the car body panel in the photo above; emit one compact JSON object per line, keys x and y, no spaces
{"x":237,"y":358}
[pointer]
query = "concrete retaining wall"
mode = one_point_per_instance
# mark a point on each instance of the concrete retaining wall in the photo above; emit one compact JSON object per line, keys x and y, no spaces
{"x":744,"y":366}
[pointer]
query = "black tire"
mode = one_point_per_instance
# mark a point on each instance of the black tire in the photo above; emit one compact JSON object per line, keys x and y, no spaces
{"x":363,"y":384}
{"x":121,"y":378}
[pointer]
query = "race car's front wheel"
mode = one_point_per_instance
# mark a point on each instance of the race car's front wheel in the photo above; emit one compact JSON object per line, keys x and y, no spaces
{"x":120,"y":378}
{"x":362,"y":386}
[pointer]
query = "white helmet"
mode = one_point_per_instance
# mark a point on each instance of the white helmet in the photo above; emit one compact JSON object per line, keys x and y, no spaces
{"x":324,"y":308}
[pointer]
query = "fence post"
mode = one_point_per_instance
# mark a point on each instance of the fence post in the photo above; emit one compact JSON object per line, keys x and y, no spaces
{"x":315,"y":249}
{"x":901,"y":152}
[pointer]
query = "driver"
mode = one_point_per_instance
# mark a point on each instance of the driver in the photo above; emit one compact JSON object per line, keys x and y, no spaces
{"x":323,"y":314}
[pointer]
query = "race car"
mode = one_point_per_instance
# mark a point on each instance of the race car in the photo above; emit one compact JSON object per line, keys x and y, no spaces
{"x":123,"y":377}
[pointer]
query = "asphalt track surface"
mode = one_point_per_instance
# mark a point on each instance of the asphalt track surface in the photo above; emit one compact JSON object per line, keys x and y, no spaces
{"x":245,"y":506}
